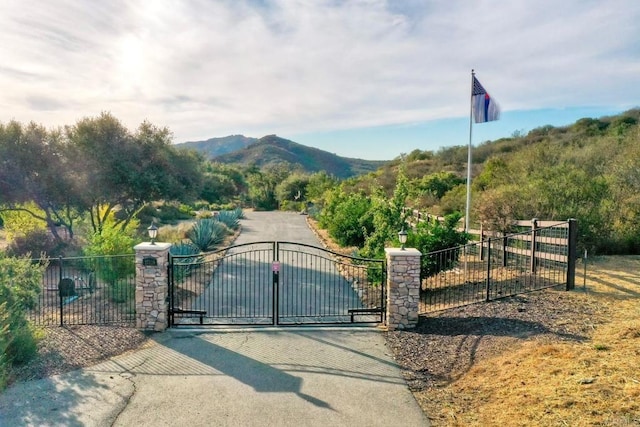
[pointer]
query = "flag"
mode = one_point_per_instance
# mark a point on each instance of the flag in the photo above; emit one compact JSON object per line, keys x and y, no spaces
{"x":485,"y":109}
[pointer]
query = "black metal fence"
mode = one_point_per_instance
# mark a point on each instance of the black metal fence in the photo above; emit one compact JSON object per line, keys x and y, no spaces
{"x":96,"y":290}
{"x":275,"y":283}
{"x":499,"y":267}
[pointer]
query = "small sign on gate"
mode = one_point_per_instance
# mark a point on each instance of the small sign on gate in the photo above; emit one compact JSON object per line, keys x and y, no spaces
{"x":275,"y":266}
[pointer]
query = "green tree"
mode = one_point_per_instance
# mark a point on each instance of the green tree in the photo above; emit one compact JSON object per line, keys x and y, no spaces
{"x":319,"y":183}
{"x":351,"y":220}
{"x":222,"y":183}
{"x":35,"y":167}
{"x":438,"y":184}
{"x":124,"y":171}
{"x":388,"y":217}
{"x":20,"y":219}
{"x":293,"y":190}
{"x":263,"y":183}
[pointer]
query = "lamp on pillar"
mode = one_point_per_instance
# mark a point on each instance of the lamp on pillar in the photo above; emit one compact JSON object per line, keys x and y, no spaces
{"x":402,"y":236}
{"x":153,"y":233}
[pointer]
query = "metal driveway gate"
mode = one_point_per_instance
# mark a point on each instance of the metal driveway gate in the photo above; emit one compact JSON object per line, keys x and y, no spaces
{"x":275,"y":283}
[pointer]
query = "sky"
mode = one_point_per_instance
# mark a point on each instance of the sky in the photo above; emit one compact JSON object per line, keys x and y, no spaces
{"x":369,"y":79}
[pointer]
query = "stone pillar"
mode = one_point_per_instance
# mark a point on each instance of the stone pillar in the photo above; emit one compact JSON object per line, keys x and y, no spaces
{"x":403,"y":287}
{"x":152,"y":285}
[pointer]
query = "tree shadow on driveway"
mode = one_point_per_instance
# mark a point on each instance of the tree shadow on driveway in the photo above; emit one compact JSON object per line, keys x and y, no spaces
{"x":260,"y":376}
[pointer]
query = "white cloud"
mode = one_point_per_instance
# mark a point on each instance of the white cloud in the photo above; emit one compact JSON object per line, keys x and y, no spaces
{"x":206,"y":68}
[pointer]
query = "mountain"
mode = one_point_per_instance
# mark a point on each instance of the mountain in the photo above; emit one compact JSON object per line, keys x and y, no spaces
{"x":271,"y":150}
{"x":214,"y":147}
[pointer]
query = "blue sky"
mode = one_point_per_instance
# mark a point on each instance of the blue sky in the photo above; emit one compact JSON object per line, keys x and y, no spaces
{"x":363,"y":78}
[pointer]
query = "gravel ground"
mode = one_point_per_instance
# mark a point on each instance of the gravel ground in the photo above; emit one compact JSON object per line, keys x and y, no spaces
{"x":68,"y":348}
{"x":446,"y":344}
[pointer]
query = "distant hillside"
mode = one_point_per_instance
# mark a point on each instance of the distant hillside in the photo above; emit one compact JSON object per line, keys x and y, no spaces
{"x":272,"y":149}
{"x":214,"y":147}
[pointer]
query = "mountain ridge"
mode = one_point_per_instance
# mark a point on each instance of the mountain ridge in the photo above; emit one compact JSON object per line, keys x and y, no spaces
{"x":272,"y":149}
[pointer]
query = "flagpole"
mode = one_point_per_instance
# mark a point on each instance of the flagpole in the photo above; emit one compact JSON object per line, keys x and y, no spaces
{"x":468,"y":207}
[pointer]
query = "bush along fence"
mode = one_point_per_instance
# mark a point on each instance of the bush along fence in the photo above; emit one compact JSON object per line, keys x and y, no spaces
{"x":498,"y":267}
{"x":97,"y":290}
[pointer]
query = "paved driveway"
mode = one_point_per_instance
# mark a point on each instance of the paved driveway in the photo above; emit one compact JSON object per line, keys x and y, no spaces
{"x":269,"y":377}
{"x":310,"y":288}
{"x":298,"y":376}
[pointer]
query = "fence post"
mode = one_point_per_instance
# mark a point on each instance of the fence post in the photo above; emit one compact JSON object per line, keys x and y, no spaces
{"x":481,"y":241}
{"x":403,"y":287}
{"x":60,"y":293}
{"x":488,"y":280}
{"x":152,"y":285}
{"x":572,"y":254}
{"x":534,"y":226}
{"x":505,"y":244}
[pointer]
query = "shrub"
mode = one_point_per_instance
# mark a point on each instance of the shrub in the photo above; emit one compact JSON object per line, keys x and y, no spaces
{"x":34,"y":243}
{"x":207,"y":233}
{"x":4,"y":344}
{"x":350,"y":220}
{"x":19,"y":288}
{"x":113,"y":241}
{"x":230,"y":218}
{"x":165,"y":213}
{"x":288,"y":205}
{"x":121,"y":291}
{"x":174,"y":233}
{"x":431,"y":237}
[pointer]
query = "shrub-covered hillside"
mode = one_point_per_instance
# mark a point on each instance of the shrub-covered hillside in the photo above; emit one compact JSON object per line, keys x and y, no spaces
{"x":589,"y":170}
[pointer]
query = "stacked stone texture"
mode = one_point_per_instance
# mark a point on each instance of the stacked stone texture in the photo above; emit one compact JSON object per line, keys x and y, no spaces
{"x":152,"y":287}
{"x":403,"y":288}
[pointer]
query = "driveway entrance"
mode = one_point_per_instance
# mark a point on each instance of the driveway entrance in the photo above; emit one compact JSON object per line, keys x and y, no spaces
{"x":275,"y":283}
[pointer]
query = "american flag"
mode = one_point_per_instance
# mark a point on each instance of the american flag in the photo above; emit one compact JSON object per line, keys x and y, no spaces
{"x":485,"y":109}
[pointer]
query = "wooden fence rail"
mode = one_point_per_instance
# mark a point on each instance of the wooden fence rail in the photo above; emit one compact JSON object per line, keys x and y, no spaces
{"x":536,"y":239}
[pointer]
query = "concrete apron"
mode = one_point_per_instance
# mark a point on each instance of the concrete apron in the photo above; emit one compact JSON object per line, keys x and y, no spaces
{"x":298,"y":376}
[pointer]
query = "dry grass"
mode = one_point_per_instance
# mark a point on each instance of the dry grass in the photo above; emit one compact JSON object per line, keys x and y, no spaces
{"x":555,"y":382}
{"x":567,"y":359}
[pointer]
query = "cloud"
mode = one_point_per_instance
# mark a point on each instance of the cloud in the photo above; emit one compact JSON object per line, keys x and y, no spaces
{"x":208,"y":68}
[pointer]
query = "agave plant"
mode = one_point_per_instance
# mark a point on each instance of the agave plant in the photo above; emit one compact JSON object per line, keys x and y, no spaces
{"x":230,"y":218}
{"x":207,"y":233}
{"x":239,"y":213}
{"x":182,"y":266}
{"x":185,"y":248}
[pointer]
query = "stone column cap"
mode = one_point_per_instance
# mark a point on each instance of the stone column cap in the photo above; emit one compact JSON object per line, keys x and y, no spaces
{"x":402,"y":252}
{"x":157,"y":246}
